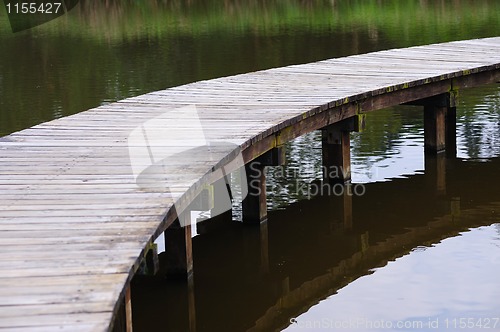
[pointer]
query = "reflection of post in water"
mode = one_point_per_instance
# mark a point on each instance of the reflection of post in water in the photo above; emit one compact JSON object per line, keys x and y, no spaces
{"x":336,"y":157}
{"x":439,"y":135}
{"x":165,"y":306}
{"x":364,"y":241}
{"x":264,"y":248}
{"x":435,"y":171}
{"x":177,"y":263}
{"x":255,"y":243}
{"x":300,"y":276}
{"x":340,"y":208}
{"x":346,"y":201}
{"x":254,"y":205}
{"x":191,"y":305}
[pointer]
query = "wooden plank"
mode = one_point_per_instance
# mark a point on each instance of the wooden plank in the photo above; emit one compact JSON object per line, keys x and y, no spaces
{"x":20,"y":233}
{"x":32,"y":311}
{"x":76,"y":327}
{"x":48,"y":321}
{"x":55,"y":248}
{"x":55,"y":228}
{"x":71,"y":271}
{"x":16,"y":293}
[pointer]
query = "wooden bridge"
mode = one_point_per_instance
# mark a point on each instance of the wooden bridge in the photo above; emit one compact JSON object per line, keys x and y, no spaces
{"x":83,"y":197}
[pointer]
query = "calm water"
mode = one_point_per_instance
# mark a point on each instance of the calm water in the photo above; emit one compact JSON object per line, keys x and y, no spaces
{"x":422,"y":243}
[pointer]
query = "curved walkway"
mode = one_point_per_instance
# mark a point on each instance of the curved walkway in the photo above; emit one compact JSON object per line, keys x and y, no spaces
{"x":82,"y":196}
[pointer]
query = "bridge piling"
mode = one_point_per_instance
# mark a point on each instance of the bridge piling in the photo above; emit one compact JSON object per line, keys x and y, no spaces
{"x":434,"y":129}
{"x":435,"y":167}
{"x":336,"y":148}
{"x":178,"y":249}
{"x":439,"y":123}
{"x":254,"y":206}
{"x":451,"y":131}
{"x":128,"y":310}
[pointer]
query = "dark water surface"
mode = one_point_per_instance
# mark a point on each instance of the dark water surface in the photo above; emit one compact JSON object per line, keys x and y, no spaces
{"x":421,"y":245}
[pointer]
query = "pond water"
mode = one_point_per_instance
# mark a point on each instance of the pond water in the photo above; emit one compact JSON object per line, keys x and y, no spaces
{"x":414,"y":249}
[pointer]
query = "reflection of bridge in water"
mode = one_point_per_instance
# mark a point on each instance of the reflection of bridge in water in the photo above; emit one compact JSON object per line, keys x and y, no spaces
{"x":84,"y":197}
{"x":257,"y":279}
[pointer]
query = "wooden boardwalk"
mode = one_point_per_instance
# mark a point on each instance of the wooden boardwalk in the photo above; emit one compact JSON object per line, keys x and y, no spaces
{"x":75,"y":218}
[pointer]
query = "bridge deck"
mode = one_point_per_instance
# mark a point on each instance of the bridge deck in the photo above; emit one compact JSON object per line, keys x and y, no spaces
{"x":74,"y":222}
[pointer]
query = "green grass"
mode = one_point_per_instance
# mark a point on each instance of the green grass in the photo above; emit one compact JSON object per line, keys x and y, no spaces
{"x":420,"y":20}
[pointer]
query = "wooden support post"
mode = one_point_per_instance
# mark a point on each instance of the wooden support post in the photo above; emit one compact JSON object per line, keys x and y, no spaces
{"x":434,"y":129}
{"x":150,"y":265}
{"x":152,"y":262}
{"x":178,"y":249}
{"x":439,"y":122}
{"x":254,"y":207}
{"x":123,"y":320}
{"x":254,"y":204}
{"x":440,"y":116}
{"x":451,"y":132}
{"x":128,"y":309}
{"x":274,"y":157}
{"x":336,"y":149}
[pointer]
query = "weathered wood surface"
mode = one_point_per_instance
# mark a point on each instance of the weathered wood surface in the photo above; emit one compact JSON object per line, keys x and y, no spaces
{"x":74,"y":222}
